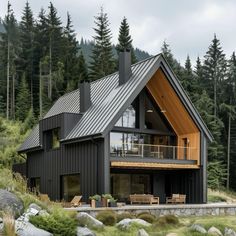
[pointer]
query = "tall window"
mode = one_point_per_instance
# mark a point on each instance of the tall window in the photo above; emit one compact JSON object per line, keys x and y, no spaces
{"x":55,"y":138}
{"x":153,"y":119}
{"x":70,"y":186}
{"x":52,"y":138}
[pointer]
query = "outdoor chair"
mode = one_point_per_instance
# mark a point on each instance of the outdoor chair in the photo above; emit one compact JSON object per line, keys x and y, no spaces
{"x":75,"y":202}
{"x":143,"y":198}
{"x":176,"y":199}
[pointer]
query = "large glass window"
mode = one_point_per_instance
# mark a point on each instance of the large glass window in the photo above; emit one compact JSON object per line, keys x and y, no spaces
{"x":70,"y":186}
{"x":136,"y":144}
{"x":153,"y":119}
{"x":122,"y":185}
{"x":129,"y":118}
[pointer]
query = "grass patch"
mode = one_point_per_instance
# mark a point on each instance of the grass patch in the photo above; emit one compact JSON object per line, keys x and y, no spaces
{"x":216,"y":198}
{"x":107,"y":217}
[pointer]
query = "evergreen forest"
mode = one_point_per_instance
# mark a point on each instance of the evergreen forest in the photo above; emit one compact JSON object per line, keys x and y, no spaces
{"x":41,"y":59}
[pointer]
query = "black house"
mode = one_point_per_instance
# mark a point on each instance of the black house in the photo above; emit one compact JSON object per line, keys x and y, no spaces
{"x":134,"y":131}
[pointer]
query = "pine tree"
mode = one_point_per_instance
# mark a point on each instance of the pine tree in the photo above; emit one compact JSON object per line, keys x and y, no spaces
{"x":22,"y":100}
{"x":199,"y":73}
{"x":214,"y":71}
{"x":9,"y":48}
{"x":102,"y":62}
{"x":174,"y":64}
{"x":27,"y":47}
{"x":55,"y":44}
{"x":188,"y":79}
{"x":70,"y":59}
{"x":125,"y":40}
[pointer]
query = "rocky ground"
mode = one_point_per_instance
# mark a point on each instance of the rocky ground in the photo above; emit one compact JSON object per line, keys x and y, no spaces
{"x":90,"y":226}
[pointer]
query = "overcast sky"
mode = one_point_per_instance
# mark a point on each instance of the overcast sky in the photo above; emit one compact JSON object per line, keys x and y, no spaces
{"x":187,"y":25}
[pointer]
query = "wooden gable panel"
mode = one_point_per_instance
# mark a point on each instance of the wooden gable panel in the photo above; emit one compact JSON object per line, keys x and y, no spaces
{"x":169,"y":102}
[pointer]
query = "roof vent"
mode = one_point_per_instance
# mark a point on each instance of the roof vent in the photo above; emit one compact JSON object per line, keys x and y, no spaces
{"x":124,"y":66}
{"x":85,"y":96}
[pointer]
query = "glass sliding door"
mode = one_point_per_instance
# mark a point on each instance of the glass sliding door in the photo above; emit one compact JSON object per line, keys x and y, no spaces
{"x":70,"y":186}
{"x":122,"y":185}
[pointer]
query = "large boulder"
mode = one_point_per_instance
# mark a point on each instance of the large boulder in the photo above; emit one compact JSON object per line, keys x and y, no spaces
{"x":10,"y":202}
{"x":126,"y":223}
{"x":84,"y":231}
{"x":229,"y":232}
{"x":198,"y":228}
{"x":84,"y":219}
{"x":214,"y":231}
{"x":27,"y":229}
{"x":142,"y":232}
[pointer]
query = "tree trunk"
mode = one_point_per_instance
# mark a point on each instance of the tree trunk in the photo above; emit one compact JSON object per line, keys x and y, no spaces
{"x":8,"y":78}
{"x":50,"y":70}
{"x":228,"y":152}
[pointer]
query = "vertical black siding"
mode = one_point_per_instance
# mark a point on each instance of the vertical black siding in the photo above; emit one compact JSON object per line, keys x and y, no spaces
{"x":75,"y":158}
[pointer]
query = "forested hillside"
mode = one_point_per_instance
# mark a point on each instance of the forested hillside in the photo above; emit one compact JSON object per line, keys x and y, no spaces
{"x":41,"y":59}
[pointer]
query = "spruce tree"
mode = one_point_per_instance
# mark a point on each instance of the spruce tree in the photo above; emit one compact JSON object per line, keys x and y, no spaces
{"x":125,"y":40}
{"x":188,"y":79}
{"x":102,"y":62}
{"x":22,"y":100}
{"x":55,"y":44}
{"x":70,"y":58}
{"x":27,"y":47}
{"x":174,"y":64}
{"x":214,"y":71}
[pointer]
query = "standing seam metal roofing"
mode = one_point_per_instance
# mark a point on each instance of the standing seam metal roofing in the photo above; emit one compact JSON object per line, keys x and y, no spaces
{"x":99,"y":115}
{"x":108,"y":99}
{"x":69,"y":103}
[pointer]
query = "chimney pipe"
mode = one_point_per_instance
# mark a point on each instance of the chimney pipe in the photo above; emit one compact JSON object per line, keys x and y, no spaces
{"x":124,"y":66}
{"x":85,"y":96}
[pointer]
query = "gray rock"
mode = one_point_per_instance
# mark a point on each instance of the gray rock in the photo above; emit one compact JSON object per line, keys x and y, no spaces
{"x":229,"y":232}
{"x":84,"y":231}
{"x":84,"y":219}
{"x":43,"y":213}
{"x":27,"y":229}
{"x":214,"y":231}
{"x":35,"y":206}
{"x":125,"y":223}
{"x":142,"y":232}
{"x":198,"y":228}
{"x":172,"y":234}
{"x":1,"y":220}
{"x":10,"y":202}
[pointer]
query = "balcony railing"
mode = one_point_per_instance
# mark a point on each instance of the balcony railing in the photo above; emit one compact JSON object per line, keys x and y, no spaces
{"x":151,"y":151}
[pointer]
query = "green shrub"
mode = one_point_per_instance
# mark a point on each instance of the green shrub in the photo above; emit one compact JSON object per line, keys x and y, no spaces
{"x":95,"y":197}
{"x":107,"y":217}
{"x":125,"y":215}
{"x":59,"y":223}
{"x":147,"y":217}
{"x":168,"y":220}
{"x":215,"y":198}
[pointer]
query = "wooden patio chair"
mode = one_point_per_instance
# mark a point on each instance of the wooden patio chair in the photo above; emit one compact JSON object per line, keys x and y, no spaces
{"x":75,"y":202}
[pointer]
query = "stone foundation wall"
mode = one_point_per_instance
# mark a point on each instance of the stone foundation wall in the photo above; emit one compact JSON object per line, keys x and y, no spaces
{"x":178,"y":210}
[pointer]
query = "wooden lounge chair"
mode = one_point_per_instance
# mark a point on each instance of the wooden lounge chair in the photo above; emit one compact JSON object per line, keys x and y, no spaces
{"x":143,"y":198}
{"x":75,"y":202}
{"x":176,"y":199}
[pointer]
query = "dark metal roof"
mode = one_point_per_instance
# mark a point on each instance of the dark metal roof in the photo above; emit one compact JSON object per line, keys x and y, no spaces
{"x":32,"y":141}
{"x":109,"y":101}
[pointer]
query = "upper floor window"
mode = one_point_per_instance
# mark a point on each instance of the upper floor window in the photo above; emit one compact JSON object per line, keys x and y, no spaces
{"x":55,"y":138}
{"x":129,"y":118}
{"x":52,"y":138}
